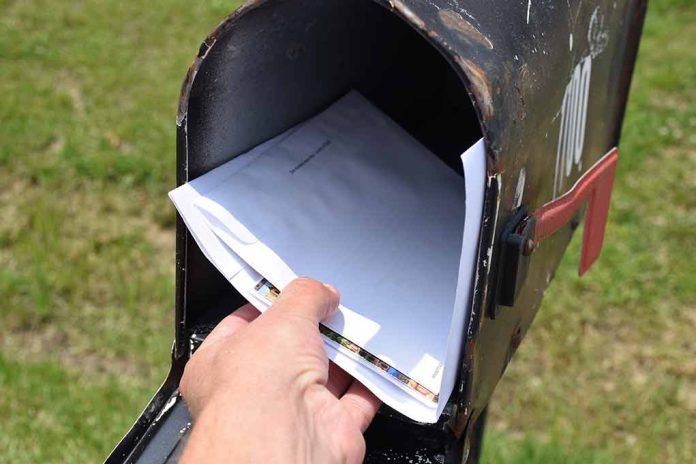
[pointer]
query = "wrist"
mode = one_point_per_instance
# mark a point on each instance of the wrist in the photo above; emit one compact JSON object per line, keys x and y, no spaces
{"x":232,"y":428}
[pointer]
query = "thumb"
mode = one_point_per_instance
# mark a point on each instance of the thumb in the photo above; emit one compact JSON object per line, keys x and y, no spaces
{"x":307,"y":298}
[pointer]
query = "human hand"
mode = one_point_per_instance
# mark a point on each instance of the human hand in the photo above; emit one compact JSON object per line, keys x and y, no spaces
{"x":261,"y":389}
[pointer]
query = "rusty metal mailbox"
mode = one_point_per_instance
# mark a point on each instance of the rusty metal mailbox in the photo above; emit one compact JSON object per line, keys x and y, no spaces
{"x":544,"y":82}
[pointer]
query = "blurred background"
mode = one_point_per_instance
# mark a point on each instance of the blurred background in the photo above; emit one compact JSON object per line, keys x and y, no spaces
{"x":87,"y":154}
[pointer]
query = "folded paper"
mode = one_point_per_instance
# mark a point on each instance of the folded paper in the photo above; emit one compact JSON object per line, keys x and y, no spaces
{"x":350,"y":198}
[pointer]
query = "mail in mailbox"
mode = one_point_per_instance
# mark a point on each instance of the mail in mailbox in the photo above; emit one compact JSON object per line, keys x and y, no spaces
{"x":351,"y":198}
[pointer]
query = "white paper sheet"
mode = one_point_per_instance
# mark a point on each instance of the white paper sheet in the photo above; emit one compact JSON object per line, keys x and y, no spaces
{"x":350,"y":198}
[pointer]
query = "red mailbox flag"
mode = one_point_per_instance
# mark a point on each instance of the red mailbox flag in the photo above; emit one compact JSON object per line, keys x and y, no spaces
{"x":594,"y":187}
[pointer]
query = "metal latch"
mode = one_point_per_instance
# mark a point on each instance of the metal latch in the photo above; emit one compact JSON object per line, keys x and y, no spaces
{"x":517,"y":245}
{"x":523,"y":233}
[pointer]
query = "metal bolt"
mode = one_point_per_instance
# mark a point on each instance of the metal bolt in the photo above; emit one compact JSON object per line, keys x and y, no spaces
{"x":529,"y":247}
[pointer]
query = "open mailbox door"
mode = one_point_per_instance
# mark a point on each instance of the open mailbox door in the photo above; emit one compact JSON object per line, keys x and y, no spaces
{"x":544,"y":84}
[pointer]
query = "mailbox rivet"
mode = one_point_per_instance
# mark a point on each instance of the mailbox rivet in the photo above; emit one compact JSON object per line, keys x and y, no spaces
{"x":529,"y":247}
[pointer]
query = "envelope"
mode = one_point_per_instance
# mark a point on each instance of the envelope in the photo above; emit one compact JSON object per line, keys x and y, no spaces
{"x":316,"y":194}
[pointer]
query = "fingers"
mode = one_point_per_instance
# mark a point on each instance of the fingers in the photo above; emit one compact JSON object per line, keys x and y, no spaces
{"x":360,"y":404}
{"x":307,"y":298}
{"x":231,"y":324}
{"x":339,"y":380}
{"x":195,"y":387}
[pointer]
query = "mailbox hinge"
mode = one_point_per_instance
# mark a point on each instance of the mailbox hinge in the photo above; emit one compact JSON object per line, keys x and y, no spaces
{"x":523,"y":233}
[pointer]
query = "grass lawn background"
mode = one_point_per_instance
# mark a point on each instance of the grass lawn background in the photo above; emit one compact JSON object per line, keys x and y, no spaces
{"x":87,"y":148}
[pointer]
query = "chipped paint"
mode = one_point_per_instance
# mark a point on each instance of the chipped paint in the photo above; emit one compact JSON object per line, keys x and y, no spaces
{"x":529,"y":8}
{"x":456,"y":22}
{"x":597,"y":34}
{"x":185,"y":428}
{"x":186,"y":89}
{"x":524,"y":86}
{"x":519,"y":190}
{"x":169,"y":405}
{"x":407,"y":13}
{"x":419,"y":456}
{"x":480,"y":86}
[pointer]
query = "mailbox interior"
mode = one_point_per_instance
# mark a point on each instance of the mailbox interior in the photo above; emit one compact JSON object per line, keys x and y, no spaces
{"x":276,"y":63}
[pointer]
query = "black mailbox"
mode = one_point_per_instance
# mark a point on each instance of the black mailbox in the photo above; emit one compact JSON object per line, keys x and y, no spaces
{"x":543,"y":82}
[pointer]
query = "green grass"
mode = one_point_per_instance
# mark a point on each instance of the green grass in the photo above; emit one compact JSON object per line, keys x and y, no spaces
{"x":606,"y":374}
{"x":54,"y":418}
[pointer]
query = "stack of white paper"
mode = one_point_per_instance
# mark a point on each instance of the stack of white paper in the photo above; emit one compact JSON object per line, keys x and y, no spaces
{"x":349,"y":198}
